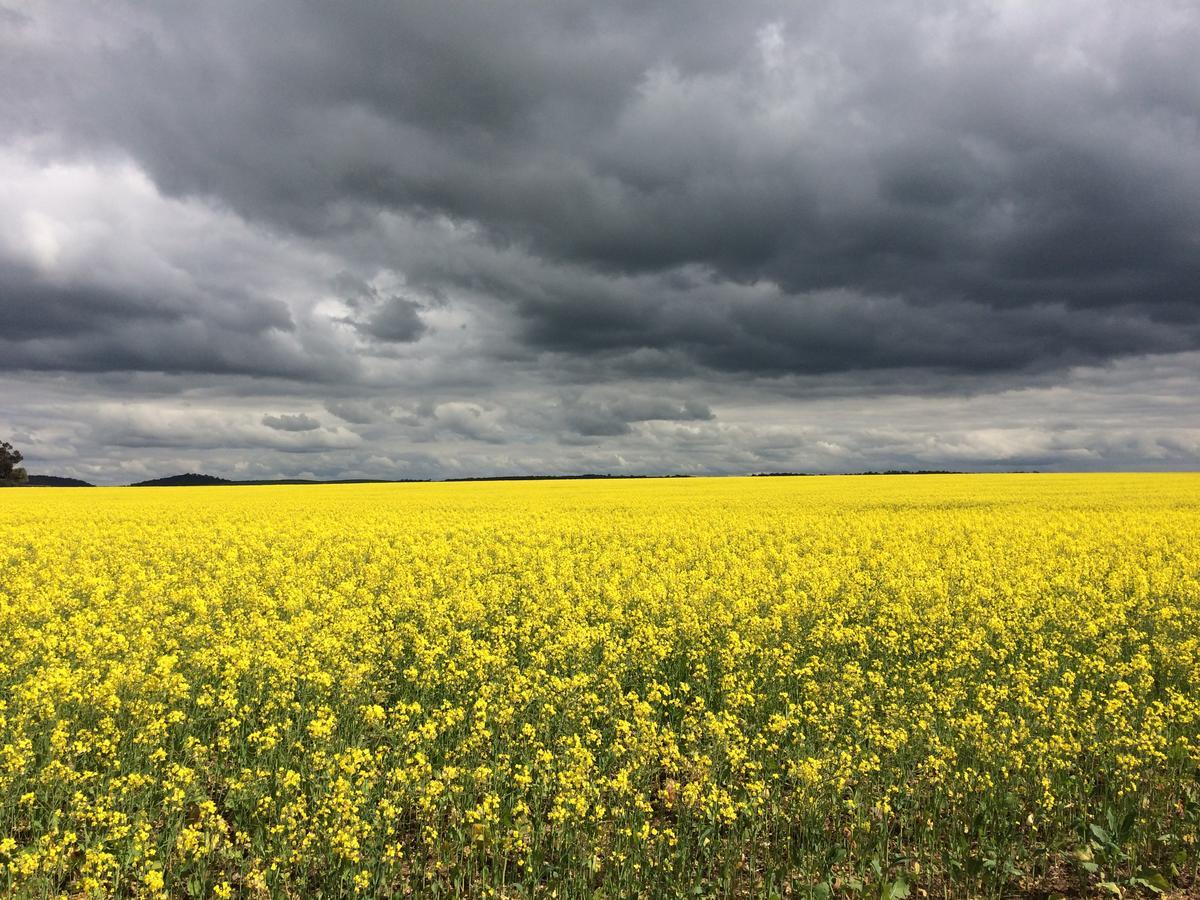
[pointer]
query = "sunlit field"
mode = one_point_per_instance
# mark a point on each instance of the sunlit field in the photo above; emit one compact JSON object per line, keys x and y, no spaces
{"x":829,"y":686}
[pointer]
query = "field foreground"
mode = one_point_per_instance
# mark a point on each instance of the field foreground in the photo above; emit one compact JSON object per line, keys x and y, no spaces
{"x":716,"y":687}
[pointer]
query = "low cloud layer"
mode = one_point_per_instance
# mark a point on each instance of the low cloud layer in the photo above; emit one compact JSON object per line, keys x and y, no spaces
{"x":416,"y":240}
{"x":294,"y":422}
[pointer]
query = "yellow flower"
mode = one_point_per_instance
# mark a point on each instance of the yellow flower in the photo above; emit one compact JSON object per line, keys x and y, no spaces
{"x":532,"y":687}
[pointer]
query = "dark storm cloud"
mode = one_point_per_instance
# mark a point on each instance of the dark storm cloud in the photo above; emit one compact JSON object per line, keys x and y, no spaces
{"x":36,"y":308}
{"x":687,"y":317}
{"x":396,"y":320}
{"x":474,"y":205}
{"x":964,"y":162}
{"x":88,"y":326}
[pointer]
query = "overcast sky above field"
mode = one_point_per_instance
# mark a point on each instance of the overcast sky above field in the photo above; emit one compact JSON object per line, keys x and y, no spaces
{"x":427,"y":239}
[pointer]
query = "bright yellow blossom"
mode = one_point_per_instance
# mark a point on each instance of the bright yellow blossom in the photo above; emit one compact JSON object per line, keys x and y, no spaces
{"x":601,"y":688}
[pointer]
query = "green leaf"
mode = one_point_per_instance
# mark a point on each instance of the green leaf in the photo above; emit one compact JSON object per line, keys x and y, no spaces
{"x":846,"y":883}
{"x":1155,"y":881}
{"x":1111,"y":887}
{"x":899,"y":889}
{"x":1127,"y":824}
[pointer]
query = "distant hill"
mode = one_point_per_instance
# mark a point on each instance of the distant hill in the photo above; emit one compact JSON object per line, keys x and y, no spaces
{"x":56,"y":481}
{"x":195,"y":479}
{"x":188,"y":479}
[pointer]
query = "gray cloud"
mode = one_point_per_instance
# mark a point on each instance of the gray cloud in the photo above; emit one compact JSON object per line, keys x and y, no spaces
{"x":355,"y":412}
{"x":396,"y":319}
{"x":604,"y":230}
{"x":82,"y":323}
{"x":1137,"y":413}
{"x":471,"y":421}
{"x":291,"y":422}
{"x":612,"y":415}
{"x":145,"y":426}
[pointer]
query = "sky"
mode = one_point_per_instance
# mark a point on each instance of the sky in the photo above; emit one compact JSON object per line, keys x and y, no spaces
{"x":424,"y":239}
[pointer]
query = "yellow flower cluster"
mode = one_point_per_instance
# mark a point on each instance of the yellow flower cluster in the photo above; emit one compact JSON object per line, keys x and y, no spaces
{"x":789,"y":686}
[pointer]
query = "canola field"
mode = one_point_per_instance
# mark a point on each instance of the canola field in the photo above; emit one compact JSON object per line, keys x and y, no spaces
{"x":772,"y":687}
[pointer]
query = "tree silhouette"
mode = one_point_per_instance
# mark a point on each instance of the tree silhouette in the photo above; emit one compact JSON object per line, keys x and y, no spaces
{"x":10,"y":472}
